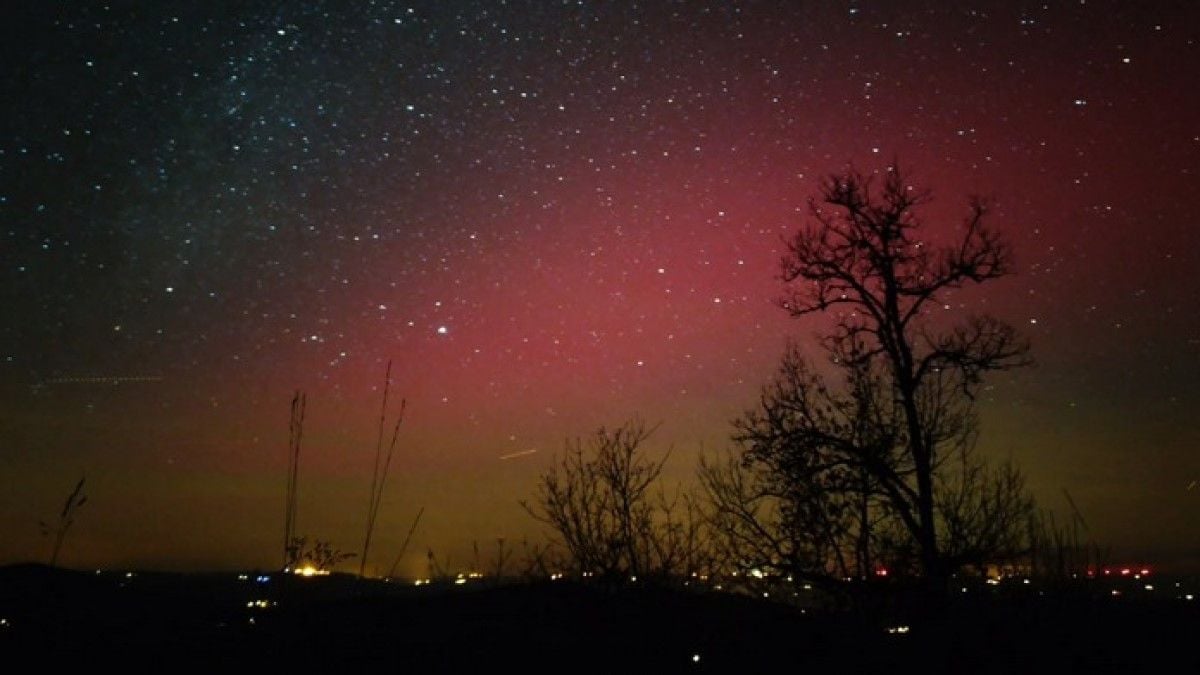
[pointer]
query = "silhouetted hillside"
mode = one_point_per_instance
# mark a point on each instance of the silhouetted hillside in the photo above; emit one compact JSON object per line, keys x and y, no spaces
{"x":174,"y":621}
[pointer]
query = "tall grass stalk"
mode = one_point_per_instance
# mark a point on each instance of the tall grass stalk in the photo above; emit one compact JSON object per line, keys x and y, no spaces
{"x":295,"y":434}
{"x":382,"y":464}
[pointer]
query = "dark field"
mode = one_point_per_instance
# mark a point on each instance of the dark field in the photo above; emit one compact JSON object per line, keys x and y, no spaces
{"x":50,"y":618}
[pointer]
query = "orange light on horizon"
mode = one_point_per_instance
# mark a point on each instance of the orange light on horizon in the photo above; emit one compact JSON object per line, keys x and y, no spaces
{"x":310,"y":571}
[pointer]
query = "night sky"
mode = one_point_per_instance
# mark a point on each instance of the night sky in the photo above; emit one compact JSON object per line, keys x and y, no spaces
{"x":553,"y":216}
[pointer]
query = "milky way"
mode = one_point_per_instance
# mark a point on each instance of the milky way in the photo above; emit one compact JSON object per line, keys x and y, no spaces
{"x":551,"y":217}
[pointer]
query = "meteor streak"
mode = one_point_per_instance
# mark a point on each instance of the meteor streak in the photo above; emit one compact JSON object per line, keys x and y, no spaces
{"x":519,"y":453}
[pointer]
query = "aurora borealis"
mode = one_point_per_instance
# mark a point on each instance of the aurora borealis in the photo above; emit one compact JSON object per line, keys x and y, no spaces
{"x":552,"y":216}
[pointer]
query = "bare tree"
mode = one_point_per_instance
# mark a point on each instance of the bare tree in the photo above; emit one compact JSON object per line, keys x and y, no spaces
{"x":599,"y":498}
{"x":867,"y":260}
{"x":983,"y":512}
{"x":796,"y":497}
{"x":318,"y":554}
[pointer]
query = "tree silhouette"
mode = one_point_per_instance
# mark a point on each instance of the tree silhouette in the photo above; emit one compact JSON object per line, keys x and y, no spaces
{"x":600,"y":499}
{"x":905,"y":407}
{"x":319,"y":554}
{"x":796,"y":497}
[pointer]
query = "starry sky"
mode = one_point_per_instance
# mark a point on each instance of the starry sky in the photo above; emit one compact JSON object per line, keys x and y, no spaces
{"x":553,"y":216}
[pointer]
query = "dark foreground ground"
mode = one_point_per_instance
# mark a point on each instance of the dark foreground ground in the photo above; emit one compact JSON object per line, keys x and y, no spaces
{"x":169,"y":622}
